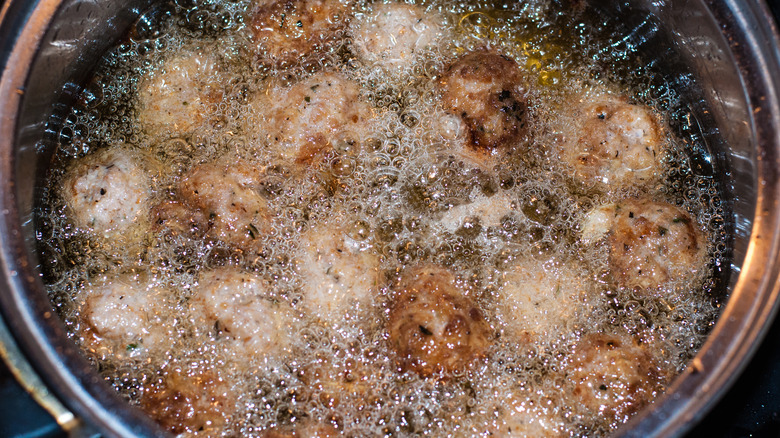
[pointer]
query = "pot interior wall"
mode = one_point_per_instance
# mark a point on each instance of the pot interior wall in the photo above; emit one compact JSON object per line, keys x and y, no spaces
{"x":680,"y":42}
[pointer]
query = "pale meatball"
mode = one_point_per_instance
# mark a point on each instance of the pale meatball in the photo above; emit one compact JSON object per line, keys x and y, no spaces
{"x":615,"y":144}
{"x":433,"y":328}
{"x":340,"y":274}
{"x":288,"y":32}
{"x":650,"y":243}
{"x":257,"y":322}
{"x":125,"y":316}
{"x":226,"y":194}
{"x":108,"y":191}
{"x":611,"y":376}
{"x":305,"y":120}
{"x":181,"y":94}
{"x":539,"y":300}
{"x":482,"y":211}
{"x":394,"y":36}
{"x":189,"y":401}
{"x":486,"y":91}
{"x":524,"y":414}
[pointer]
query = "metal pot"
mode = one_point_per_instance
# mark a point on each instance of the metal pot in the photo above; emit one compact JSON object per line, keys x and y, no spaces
{"x":726,"y":66}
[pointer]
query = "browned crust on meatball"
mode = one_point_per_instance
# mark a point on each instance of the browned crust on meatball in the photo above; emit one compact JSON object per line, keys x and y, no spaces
{"x":613,"y":375}
{"x":485,"y":90}
{"x":183,"y":403}
{"x":652,"y":243}
{"x":219,"y":201}
{"x":177,"y":218}
{"x":433,"y":328}
{"x":287,"y":32}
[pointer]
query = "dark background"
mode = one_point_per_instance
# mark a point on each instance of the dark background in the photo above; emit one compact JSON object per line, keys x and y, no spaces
{"x":750,"y":409}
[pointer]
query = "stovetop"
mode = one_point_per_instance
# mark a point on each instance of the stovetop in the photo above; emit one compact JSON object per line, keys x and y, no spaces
{"x":750,"y":409}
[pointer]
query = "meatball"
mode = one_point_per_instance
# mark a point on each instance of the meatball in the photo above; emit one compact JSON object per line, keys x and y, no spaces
{"x":189,"y":401}
{"x":108,"y":191}
{"x":482,"y":211}
{"x":434,"y":328}
{"x":244,"y":308}
{"x":343,"y":380}
{"x":615,"y":144}
{"x":524,"y":414}
{"x":181,"y":94}
{"x":394,"y":36}
{"x":539,"y":300}
{"x":287,"y":32}
{"x":125,"y":316}
{"x":612,"y":375}
{"x":304,"y":121}
{"x":340,"y":274}
{"x":486,"y":91}
{"x":650,"y":243}
{"x":226,"y":194}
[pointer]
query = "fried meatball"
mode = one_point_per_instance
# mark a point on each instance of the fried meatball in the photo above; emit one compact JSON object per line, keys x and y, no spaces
{"x":433,"y":328}
{"x":108,"y":191}
{"x":181,"y":94}
{"x":486,"y":90}
{"x":343,"y":380}
{"x":256,"y":321}
{"x":125,"y":316}
{"x":482,"y":211}
{"x":524,"y":414}
{"x":650,"y":243}
{"x":226,"y":194}
{"x":394,"y":36}
{"x":288,"y":32}
{"x":340,"y":274}
{"x":189,"y":401}
{"x":611,"y":376}
{"x":538,"y":300}
{"x":304,"y":121}
{"x":615,"y":144}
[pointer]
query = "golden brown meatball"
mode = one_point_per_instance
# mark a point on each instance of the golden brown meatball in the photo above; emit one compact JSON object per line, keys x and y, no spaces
{"x":305,"y":120}
{"x":189,"y":401}
{"x":650,"y":243}
{"x":615,"y":144}
{"x":178,"y":218}
{"x":612,"y":375}
{"x":486,"y":91}
{"x":226,"y":194}
{"x":342,"y":383}
{"x":287,"y":32}
{"x":108,"y":191}
{"x":433,"y":328}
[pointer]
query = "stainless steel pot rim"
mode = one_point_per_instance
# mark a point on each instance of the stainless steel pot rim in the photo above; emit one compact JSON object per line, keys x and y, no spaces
{"x":736,"y":336}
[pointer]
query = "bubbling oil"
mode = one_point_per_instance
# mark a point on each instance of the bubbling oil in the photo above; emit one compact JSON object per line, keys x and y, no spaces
{"x":407,"y":197}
